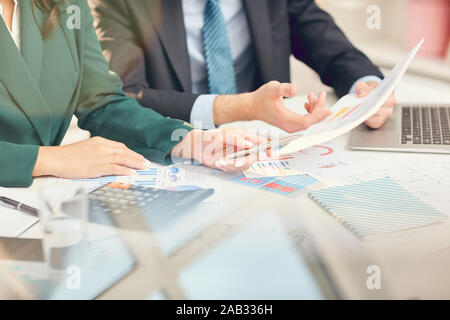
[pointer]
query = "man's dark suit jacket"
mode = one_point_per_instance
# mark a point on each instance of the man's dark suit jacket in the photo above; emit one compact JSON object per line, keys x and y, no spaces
{"x":145,"y":43}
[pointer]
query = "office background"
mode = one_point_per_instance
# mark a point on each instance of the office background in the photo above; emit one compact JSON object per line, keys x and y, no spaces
{"x":385,"y":46}
{"x":403,"y":22}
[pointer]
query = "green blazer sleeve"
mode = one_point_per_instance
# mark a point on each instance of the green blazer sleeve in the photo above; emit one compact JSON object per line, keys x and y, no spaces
{"x":106,"y":111}
{"x":20,"y":160}
{"x":45,"y":84}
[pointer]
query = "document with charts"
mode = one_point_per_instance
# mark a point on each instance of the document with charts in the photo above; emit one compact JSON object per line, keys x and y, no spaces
{"x":350,"y":111}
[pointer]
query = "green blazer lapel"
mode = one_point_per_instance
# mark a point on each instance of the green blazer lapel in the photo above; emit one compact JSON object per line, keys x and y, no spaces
{"x":31,"y":41}
{"x":20,"y":74}
{"x":69,"y":35}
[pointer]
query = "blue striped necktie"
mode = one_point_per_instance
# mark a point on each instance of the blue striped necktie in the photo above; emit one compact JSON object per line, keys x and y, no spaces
{"x":219,"y":61}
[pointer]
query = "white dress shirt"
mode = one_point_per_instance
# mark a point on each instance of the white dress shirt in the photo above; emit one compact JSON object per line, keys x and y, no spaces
{"x":241,"y":49}
{"x":15,"y":32}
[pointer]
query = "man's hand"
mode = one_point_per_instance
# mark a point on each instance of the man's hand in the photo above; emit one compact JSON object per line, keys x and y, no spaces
{"x":211,"y":148}
{"x":379,"y":118}
{"x":267,"y":104}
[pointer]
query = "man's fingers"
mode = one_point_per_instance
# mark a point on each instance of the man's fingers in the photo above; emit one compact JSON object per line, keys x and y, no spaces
{"x":242,"y":139}
{"x":254,"y":138}
{"x":392,"y":101}
{"x":307,"y":107}
{"x":362,"y":89}
{"x":382,"y":115}
{"x":293,"y":122}
{"x":277,"y":89}
{"x":240,"y":164}
{"x":318,"y":112}
{"x":312,"y":100}
{"x":378,"y":119}
{"x":288,"y":90}
{"x":321,"y":101}
{"x":316,"y":116}
{"x":388,"y":108}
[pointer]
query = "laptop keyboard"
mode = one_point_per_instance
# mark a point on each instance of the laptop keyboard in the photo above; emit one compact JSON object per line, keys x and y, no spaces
{"x":425,"y":125}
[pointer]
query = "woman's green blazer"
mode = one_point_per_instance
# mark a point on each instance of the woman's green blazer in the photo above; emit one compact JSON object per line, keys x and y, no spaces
{"x":47,"y":82}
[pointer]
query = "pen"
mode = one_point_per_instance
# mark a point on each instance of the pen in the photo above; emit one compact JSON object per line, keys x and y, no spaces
{"x":19,"y":206}
{"x":261,"y":147}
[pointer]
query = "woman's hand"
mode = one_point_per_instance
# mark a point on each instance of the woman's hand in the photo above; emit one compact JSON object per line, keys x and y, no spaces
{"x":211,"y":147}
{"x":92,"y":158}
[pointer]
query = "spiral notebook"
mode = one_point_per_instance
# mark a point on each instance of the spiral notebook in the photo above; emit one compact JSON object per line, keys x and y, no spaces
{"x":376,"y":207}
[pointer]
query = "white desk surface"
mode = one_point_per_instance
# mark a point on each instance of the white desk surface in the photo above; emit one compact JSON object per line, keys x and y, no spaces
{"x":414,"y":264}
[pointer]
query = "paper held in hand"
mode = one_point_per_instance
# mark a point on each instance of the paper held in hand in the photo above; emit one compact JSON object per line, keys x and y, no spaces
{"x":348,"y":113}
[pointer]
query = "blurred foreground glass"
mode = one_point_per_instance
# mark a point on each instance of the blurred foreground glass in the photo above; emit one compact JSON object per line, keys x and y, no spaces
{"x":63,"y":213}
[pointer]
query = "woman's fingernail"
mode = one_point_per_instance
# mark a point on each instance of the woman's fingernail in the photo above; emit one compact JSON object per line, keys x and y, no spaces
{"x":146,"y":163}
{"x":249,"y":144}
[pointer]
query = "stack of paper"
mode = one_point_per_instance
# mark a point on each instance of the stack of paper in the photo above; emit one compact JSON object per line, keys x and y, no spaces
{"x":350,"y":111}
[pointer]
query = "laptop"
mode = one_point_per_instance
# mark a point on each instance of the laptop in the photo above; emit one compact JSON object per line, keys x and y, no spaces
{"x":412,"y":128}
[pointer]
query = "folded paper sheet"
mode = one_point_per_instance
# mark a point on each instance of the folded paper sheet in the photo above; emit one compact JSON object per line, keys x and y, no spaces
{"x":350,"y":111}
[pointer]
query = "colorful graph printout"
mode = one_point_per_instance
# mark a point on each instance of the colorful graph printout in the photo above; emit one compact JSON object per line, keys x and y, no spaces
{"x":350,"y":111}
{"x":292,"y":186}
{"x":375,"y":207}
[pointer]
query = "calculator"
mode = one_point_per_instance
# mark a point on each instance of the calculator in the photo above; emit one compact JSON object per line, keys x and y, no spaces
{"x":140,"y":207}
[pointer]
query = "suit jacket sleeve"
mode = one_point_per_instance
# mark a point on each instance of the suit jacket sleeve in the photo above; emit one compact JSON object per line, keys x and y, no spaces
{"x":106,"y":111}
{"x":126,"y":57}
{"x":318,"y":41}
{"x":18,"y":161}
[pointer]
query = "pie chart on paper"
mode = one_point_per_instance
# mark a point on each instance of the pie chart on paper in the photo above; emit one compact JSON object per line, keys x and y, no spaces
{"x":318,"y":150}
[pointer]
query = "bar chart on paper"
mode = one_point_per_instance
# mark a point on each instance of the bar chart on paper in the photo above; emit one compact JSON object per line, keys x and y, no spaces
{"x":313,"y":161}
{"x":151,"y":178}
{"x":92,"y":184}
{"x":291,"y":186}
{"x":344,"y":112}
{"x":147,"y":178}
{"x":271,"y":168}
